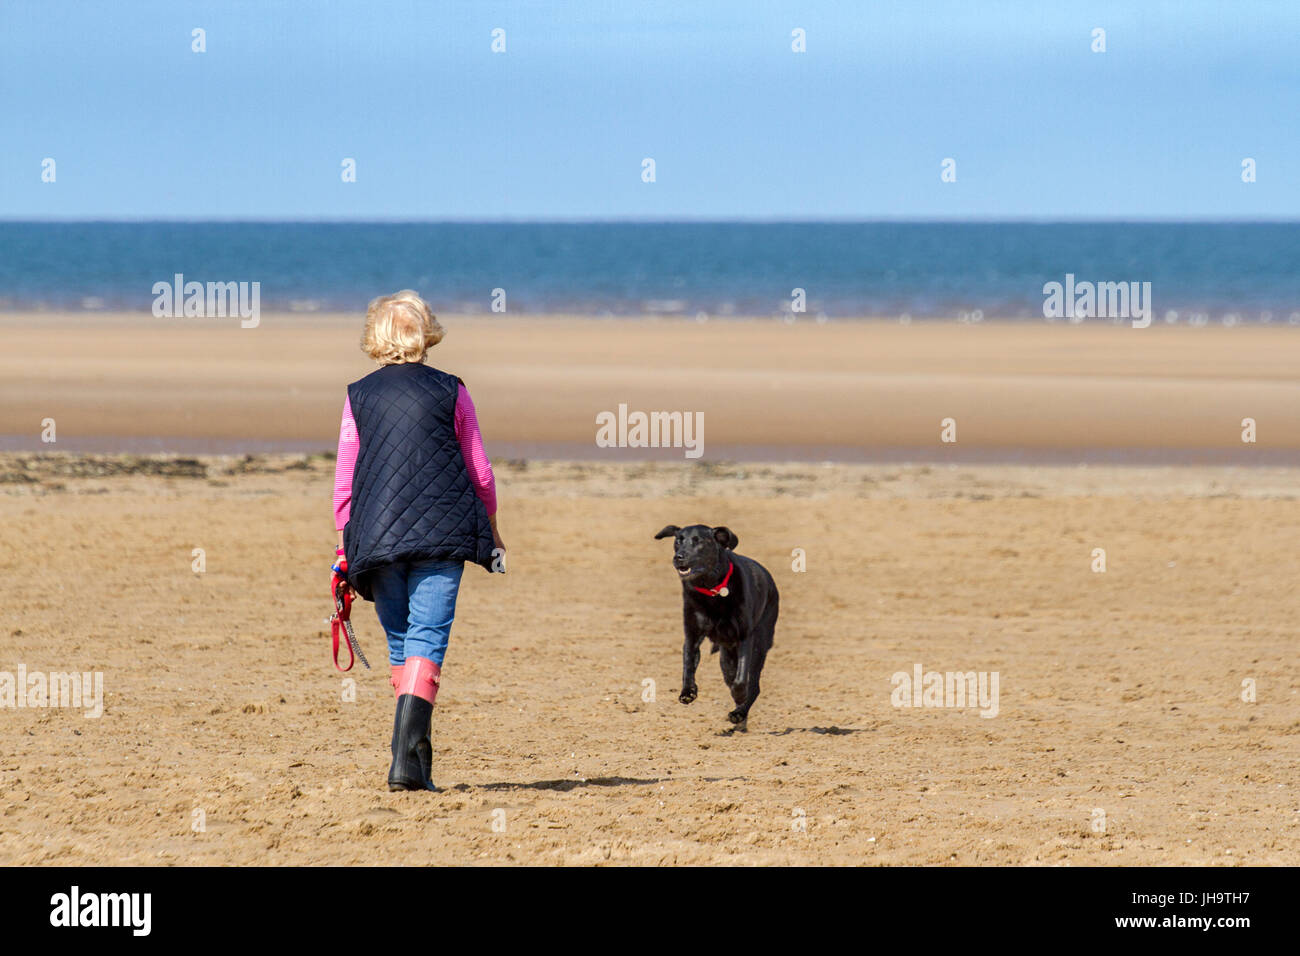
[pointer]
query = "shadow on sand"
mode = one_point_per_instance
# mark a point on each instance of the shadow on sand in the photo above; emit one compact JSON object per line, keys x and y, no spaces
{"x":563,"y":785}
{"x":566,"y":785}
{"x":832,"y":731}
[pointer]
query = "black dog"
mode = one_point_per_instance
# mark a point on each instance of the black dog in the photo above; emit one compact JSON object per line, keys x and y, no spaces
{"x":730,"y":599}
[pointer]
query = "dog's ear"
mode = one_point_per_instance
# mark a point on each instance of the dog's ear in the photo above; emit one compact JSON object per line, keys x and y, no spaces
{"x":668,"y":532}
{"x":726,"y":537}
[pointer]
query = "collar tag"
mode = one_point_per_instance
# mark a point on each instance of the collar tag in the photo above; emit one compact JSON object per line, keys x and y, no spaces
{"x":721,"y":590}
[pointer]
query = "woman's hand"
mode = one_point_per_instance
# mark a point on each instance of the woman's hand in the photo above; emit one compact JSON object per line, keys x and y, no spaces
{"x":339,"y":572}
{"x":496,"y":535}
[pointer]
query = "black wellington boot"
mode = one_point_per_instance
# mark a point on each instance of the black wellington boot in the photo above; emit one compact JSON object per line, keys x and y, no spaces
{"x":412,"y":748}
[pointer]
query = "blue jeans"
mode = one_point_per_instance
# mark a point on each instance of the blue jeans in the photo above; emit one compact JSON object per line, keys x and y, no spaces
{"x":416,"y":602}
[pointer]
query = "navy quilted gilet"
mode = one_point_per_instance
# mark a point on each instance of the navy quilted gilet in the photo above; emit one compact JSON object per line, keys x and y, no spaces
{"x":412,"y":499}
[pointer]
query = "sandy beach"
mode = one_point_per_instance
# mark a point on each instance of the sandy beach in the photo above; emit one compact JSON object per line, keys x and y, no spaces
{"x":842,"y":391}
{"x":227,"y":737}
{"x":1121,"y":734}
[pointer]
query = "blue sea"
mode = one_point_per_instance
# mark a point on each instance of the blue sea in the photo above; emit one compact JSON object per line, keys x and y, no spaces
{"x":1244,"y":272}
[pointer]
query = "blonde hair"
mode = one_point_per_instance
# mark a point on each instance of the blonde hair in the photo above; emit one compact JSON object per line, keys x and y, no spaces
{"x":400,"y":328}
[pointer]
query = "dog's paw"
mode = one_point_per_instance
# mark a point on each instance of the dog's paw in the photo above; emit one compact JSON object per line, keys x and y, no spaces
{"x":737,"y":718}
{"x":689,"y":694}
{"x":737,"y":727}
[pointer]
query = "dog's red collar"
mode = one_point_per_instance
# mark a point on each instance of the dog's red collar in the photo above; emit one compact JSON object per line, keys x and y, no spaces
{"x":721,"y":590}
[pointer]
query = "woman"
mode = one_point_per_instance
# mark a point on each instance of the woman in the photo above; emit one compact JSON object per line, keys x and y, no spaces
{"x":414,"y":499}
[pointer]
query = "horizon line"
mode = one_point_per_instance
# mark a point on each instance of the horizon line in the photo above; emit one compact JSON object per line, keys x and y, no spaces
{"x":661,"y":221}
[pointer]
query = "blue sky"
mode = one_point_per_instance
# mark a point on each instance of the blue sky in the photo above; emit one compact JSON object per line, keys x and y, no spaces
{"x":738,"y":125}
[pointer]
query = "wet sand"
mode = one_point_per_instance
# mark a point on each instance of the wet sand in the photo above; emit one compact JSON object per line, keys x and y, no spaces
{"x":847,"y":391}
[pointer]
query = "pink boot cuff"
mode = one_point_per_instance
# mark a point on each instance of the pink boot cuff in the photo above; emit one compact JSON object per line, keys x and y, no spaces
{"x":421,"y":677}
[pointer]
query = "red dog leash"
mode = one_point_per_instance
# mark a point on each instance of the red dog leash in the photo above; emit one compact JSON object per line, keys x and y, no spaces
{"x":341,"y":620}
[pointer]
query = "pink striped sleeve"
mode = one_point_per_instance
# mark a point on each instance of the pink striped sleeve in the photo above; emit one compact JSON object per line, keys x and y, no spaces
{"x":471,"y":448}
{"x":349,"y":445}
